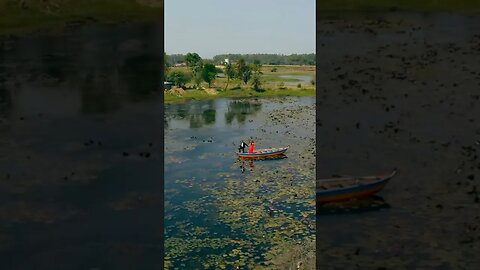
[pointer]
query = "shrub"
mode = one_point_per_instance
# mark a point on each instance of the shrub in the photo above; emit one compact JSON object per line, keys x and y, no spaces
{"x":179,"y":78}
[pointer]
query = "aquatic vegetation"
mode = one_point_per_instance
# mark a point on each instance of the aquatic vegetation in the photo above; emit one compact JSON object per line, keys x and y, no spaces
{"x":134,"y":200}
{"x":227,"y":217}
{"x":27,"y":211}
{"x":174,"y":159}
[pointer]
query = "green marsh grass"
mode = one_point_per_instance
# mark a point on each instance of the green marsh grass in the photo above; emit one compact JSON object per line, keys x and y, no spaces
{"x":237,"y":88}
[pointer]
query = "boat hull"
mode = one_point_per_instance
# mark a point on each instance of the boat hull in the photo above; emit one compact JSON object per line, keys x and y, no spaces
{"x":352,"y":192}
{"x":264,"y":153}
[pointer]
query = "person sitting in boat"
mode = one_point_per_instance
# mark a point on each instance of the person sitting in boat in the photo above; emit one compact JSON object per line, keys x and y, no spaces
{"x":242,"y":147}
{"x":251,"y":149}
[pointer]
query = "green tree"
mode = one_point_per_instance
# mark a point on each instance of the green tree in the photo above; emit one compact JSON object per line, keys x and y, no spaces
{"x":179,"y":78}
{"x":166,"y":63}
{"x":244,"y":72}
{"x":257,"y":75}
{"x":209,"y":72}
{"x":195,"y":63}
{"x":197,"y":77}
{"x":229,"y":72}
{"x":239,"y":67}
{"x":192,"y":59}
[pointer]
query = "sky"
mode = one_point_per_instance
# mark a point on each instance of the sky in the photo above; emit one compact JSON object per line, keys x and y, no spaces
{"x":212,"y":27}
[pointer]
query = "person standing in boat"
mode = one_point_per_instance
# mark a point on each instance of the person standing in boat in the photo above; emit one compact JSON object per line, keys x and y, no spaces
{"x":242,"y":147}
{"x":251,"y":149}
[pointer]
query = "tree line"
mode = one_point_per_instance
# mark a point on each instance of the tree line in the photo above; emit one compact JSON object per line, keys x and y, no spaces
{"x":204,"y":70}
{"x":270,"y":59}
{"x":266,"y":59}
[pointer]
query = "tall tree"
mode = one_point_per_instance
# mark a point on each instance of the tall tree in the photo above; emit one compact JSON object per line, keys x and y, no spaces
{"x":192,"y":59}
{"x":166,"y":59}
{"x":195,"y":63}
{"x":209,"y":72}
{"x":244,"y":72}
{"x":239,"y":67}
{"x":229,"y":72}
{"x":257,"y":75}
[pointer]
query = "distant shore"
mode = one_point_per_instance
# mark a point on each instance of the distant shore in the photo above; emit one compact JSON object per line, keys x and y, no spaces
{"x":277,"y":81}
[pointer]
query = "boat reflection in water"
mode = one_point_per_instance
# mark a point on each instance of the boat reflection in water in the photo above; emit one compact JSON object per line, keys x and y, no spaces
{"x":366,"y":204}
{"x":249,"y":164}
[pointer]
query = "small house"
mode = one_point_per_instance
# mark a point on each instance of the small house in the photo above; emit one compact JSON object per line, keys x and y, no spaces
{"x":225,"y":62}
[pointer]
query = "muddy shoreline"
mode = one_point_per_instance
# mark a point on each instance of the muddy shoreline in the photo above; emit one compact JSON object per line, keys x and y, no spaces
{"x":401,"y":90}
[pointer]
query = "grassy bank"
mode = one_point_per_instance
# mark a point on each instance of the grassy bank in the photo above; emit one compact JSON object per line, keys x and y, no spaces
{"x":239,"y":93}
{"x":407,"y":5}
{"x":17,"y":18}
{"x":273,"y":85}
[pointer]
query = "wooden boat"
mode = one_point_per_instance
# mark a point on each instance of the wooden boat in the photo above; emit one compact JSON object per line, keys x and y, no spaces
{"x":347,"y":188}
{"x":263,"y":153}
